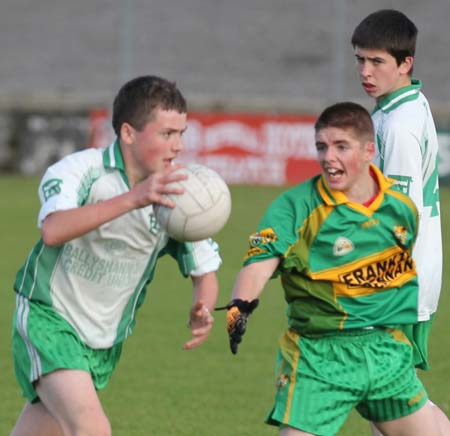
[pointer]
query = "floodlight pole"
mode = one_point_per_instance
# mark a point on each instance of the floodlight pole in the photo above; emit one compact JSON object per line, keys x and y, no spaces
{"x":126,"y":39}
{"x":340,"y":45}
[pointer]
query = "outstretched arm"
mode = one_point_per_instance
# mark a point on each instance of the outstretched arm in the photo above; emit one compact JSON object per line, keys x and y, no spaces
{"x":252,"y":278}
{"x":65,"y":225}
{"x":206,"y":290}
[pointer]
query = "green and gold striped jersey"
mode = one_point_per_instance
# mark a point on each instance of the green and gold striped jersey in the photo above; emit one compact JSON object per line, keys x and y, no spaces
{"x":343,"y":265}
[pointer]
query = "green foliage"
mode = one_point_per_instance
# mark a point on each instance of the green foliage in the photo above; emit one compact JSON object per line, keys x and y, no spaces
{"x":158,"y":388}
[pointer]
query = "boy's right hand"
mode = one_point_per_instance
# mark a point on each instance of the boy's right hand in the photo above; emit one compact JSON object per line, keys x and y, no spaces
{"x":155,"y":187}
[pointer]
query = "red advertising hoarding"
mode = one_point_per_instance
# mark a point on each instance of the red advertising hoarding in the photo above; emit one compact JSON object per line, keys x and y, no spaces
{"x":251,"y":148}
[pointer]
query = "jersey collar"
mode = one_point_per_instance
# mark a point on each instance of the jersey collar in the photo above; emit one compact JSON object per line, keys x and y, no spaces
{"x":112,"y":158}
{"x":402,"y":95}
{"x":332,"y":197}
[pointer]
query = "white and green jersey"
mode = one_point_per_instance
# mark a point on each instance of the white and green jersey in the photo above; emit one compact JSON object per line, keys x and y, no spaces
{"x":407,"y":150}
{"x":98,"y":281}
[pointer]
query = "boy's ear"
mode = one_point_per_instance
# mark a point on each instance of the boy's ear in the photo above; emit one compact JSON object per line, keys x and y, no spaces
{"x":406,"y":65}
{"x":127,"y":133}
{"x":370,"y":150}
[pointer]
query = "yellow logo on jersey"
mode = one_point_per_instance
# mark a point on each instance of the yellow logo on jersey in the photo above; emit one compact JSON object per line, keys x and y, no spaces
{"x":416,"y":399}
{"x":254,"y":251}
{"x":381,"y":273}
{"x":262,"y":237}
{"x":370,"y":223}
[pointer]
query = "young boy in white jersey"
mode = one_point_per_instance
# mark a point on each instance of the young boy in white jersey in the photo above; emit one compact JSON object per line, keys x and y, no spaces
{"x":341,"y":243}
{"x":80,"y":288}
{"x":407,"y":150}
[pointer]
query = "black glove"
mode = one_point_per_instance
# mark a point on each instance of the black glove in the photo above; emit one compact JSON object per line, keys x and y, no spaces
{"x":237,"y":313}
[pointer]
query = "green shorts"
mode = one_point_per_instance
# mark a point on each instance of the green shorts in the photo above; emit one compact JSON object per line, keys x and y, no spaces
{"x":418,"y":336}
{"x":43,"y":341}
{"x":320,"y":380}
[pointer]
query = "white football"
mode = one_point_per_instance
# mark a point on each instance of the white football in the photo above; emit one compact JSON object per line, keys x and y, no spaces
{"x":201,"y":211}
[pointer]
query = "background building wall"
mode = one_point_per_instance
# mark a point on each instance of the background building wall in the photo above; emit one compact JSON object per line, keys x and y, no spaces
{"x":290,"y":56}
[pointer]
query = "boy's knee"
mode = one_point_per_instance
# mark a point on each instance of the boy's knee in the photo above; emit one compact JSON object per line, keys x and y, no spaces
{"x":102,"y":427}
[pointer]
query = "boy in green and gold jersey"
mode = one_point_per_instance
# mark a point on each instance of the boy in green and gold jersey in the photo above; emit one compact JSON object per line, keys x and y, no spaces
{"x":342,"y":244}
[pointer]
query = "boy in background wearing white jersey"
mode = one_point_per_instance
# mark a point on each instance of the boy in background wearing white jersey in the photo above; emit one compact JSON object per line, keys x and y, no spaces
{"x":407,"y":150}
{"x":80,"y":288}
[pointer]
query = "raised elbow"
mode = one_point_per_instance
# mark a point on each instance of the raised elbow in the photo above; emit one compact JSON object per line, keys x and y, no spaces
{"x":49,"y":234}
{"x":49,"y":238}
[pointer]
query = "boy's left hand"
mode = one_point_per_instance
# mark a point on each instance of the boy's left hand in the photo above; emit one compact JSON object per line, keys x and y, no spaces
{"x":200,"y":323}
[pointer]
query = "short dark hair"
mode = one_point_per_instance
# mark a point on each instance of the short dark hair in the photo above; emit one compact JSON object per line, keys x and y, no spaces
{"x":347,"y":115}
{"x":387,"y":29}
{"x":138,"y":98}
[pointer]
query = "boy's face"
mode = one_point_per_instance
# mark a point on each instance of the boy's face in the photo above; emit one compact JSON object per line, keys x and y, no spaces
{"x":344,"y":158}
{"x":379,"y":73}
{"x":158,"y":144}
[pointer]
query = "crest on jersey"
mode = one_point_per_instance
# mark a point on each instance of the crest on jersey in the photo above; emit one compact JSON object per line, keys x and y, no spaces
{"x":262,"y":237}
{"x":401,"y":234}
{"x":342,"y":246}
{"x":51,"y":187}
{"x":282,"y":381}
{"x":402,"y":183}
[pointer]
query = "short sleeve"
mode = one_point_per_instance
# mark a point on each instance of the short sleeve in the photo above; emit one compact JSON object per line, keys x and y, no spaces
{"x":197,"y":258}
{"x":276,"y":232}
{"x":65,"y":184}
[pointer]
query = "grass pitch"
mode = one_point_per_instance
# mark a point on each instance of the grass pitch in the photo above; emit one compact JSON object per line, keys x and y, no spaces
{"x":159,"y":389}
